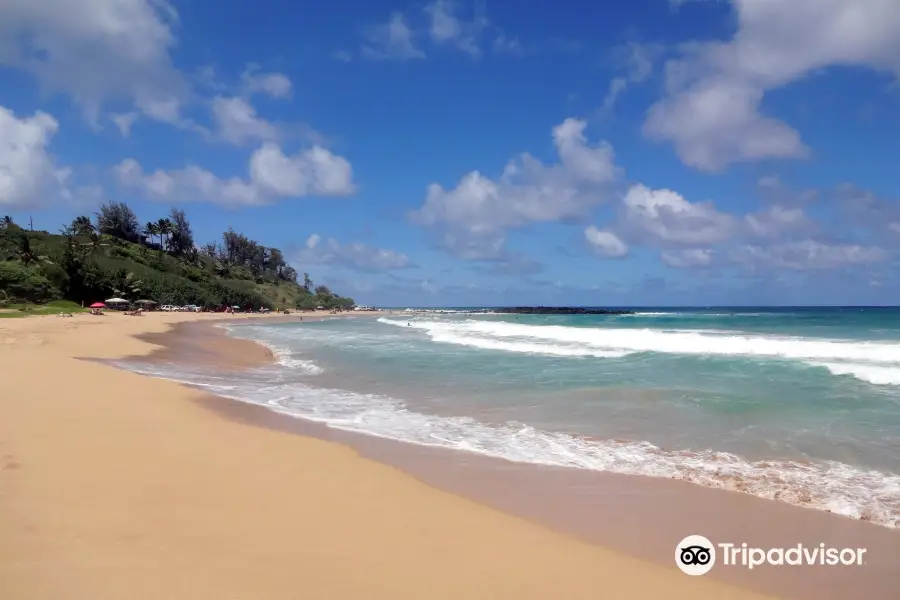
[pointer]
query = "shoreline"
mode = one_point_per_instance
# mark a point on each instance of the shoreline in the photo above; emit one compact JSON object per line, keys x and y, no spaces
{"x":567,"y":500}
{"x":117,"y":485}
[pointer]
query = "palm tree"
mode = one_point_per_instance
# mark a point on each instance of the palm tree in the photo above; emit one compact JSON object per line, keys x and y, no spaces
{"x":83,"y":226}
{"x":6,"y":221}
{"x":150,"y":230}
{"x":95,"y":242}
{"x":127,"y":285}
{"x":164,"y":229}
{"x":27,"y":254}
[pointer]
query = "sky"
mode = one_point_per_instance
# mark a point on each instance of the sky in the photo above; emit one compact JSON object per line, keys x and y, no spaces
{"x":459,"y":153}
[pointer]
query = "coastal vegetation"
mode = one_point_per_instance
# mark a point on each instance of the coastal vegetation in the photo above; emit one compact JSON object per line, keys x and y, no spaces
{"x":112,"y":254}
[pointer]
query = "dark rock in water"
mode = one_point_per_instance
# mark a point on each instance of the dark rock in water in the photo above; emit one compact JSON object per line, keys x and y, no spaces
{"x":560,"y":310}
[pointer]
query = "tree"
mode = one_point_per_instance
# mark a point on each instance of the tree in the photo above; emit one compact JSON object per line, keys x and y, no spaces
{"x":323,"y":291}
{"x":151,"y":229}
{"x":210,"y":250}
{"x":223,"y":269}
{"x":6,"y":221}
{"x":307,"y":282}
{"x":182,"y":237}
{"x":22,"y":282}
{"x":82,"y":225}
{"x":27,"y":254}
{"x":165,"y":229}
{"x":289,"y":273}
{"x":119,"y":221}
{"x":94,"y":242}
{"x":126,"y":284}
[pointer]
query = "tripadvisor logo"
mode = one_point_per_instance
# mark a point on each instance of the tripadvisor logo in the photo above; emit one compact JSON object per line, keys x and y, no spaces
{"x":696,"y":555}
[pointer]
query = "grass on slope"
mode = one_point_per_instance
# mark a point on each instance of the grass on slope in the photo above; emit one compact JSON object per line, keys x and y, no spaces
{"x":13,"y":311}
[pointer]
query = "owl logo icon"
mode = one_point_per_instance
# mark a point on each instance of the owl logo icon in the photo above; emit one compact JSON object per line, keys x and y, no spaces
{"x":695,"y":555}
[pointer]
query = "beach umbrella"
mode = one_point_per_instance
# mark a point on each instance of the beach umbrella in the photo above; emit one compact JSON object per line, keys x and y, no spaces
{"x":117,"y":301}
{"x":146,"y":302}
{"x":98,"y":305}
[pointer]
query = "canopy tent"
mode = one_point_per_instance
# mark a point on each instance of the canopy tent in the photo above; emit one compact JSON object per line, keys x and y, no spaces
{"x":117,"y":301}
{"x":146,"y":302}
{"x":98,"y":305}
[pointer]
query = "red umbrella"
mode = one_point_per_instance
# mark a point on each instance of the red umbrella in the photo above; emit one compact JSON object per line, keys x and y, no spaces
{"x":98,"y":305}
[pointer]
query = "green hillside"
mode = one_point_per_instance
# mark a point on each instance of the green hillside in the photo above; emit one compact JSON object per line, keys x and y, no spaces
{"x":114,"y":255}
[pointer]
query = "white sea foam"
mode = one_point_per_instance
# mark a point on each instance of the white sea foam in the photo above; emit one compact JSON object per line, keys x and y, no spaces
{"x":283,"y":355}
{"x":833,"y":486}
{"x":877,"y":375}
{"x":875,"y":362}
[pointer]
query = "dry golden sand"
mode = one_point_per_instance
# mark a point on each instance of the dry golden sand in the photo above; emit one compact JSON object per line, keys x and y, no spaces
{"x":118,"y":486}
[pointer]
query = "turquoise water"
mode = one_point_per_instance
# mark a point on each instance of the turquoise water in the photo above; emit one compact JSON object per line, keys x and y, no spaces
{"x":801,"y":405}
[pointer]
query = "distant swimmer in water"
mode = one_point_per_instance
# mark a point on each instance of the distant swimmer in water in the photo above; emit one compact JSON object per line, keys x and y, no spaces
{"x":408,"y":325}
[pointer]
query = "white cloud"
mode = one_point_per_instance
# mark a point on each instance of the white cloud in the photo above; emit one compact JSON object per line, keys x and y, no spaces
{"x":688,"y":258}
{"x":237,"y":122}
{"x":475,"y":213}
{"x":124,"y":122}
{"x":712,"y":111}
{"x":342,"y":55}
{"x":276,"y":85}
{"x":777,"y":220}
{"x":391,"y":41}
{"x":357,"y":256}
{"x":27,"y":171}
{"x":313,"y":172}
{"x":605,"y":243}
{"x":665,"y":217}
{"x":808,"y":254}
{"x":638,"y":62}
{"x":97,"y":51}
{"x":446,"y":28}
{"x":273,"y":175}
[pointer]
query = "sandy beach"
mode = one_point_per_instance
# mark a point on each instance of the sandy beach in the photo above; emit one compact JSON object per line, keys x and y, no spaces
{"x":114,"y":485}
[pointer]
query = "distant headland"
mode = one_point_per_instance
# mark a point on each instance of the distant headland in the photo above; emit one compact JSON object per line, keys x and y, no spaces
{"x":558,"y":310}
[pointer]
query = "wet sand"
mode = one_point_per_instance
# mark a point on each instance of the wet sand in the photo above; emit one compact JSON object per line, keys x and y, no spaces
{"x":115,"y":485}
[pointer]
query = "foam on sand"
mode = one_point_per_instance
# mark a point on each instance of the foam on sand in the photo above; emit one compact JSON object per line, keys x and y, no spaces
{"x":836,"y":487}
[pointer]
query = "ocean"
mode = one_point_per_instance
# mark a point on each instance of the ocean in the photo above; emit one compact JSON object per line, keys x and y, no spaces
{"x":800,"y":405}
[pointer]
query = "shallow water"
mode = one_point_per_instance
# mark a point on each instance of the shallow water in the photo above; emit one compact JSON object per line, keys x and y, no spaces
{"x":802,"y":405}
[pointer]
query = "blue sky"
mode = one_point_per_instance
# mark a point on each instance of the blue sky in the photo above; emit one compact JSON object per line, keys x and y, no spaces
{"x":660,"y":152}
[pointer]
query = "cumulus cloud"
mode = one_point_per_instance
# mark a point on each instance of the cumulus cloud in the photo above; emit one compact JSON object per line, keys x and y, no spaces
{"x":391,"y":41}
{"x":776,"y":237}
{"x":605,"y":243}
{"x":665,"y":217}
{"x":356,"y":256}
{"x":272,"y":175}
{"x":808,"y":254}
{"x":778,"y":220}
{"x":237,"y":122}
{"x":474,"y":215}
{"x":712,"y":110}
{"x":446,"y":27}
{"x":27,"y":171}
{"x":688,"y":258}
{"x":275,"y":85}
{"x":98,"y":51}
